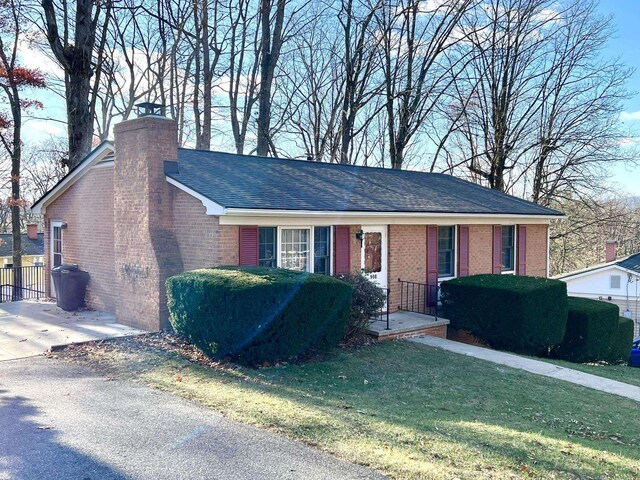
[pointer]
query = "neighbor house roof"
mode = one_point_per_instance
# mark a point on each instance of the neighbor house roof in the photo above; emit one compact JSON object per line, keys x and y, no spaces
{"x":29,"y":247}
{"x":251,"y":182}
{"x":631,"y":264}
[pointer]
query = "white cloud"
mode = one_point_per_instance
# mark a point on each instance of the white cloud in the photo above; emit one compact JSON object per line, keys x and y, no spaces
{"x":630,"y":116}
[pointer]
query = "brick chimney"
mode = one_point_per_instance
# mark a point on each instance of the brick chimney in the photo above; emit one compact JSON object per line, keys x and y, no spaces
{"x":32,"y":231}
{"x":145,"y":247}
{"x":611,"y":251}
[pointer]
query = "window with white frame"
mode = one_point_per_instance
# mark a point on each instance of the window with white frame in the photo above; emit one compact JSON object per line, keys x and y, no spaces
{"x":295,"y":249}
{"x":508,"y":248}
{"x":615,"y":281}
{"x":446,"y":251}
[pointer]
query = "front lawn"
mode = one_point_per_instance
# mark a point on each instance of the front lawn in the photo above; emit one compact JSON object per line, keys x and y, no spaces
{"x":407,"y":410}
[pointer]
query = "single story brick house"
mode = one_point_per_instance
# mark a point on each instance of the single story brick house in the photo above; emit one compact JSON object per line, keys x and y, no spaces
{"x":140,"y":209}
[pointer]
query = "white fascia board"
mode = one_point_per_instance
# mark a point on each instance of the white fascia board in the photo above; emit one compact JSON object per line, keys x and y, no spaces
{"x":98,"y":154}
{"x":581,"y":274}
{"x":240,"y":216}
{"x":212,"y":208}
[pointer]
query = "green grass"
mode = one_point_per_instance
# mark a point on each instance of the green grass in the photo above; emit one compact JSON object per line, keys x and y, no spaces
{"x":622,"y":373}
{"x":411,"y":411}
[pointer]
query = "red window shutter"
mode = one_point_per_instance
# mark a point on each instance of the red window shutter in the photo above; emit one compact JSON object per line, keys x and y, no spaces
{"x":463,"y":251}
{"x":432,"y":262}
{"x":522,"y":249}
{"x":342,"y":250}
{"x":497,"y":249}
{"x":248,"y":247}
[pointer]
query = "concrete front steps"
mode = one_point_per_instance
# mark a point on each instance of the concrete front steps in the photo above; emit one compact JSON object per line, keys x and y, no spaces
{"x":408,"y":325}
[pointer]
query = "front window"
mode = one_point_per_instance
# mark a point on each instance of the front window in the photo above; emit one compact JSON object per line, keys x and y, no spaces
{"x":294,"y":244}
{"x":321,"y":250}
{"x":508,"y":248}
{"x":446,"y":251}
{"x":267,"y":254}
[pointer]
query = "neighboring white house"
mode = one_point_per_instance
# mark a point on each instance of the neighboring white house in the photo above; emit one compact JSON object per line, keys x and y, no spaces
{"x":616,"y":281}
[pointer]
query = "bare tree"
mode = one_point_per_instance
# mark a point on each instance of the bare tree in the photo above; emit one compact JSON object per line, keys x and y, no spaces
{"x":579,"y":241}
{"x":415,"y":38}
{"x":130,"y":68}
{"x":579,"y":133}
{"x":243,"y":68}
{"x":360,"y":65}
{"x":77,"y":33}
{"x":14,"y":78}
{"x":499,"y":92}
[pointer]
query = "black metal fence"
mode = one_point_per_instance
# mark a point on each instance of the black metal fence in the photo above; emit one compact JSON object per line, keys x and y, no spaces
{"x":21,"y":283}
{"x":419,"y":298}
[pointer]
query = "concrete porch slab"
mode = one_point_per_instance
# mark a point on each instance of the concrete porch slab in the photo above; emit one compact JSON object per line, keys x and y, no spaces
{"x":31,"y":327}
{"x":407,"y":324}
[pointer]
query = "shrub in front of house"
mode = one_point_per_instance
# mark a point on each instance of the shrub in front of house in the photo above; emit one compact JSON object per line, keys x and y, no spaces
{"x":366,"y":302}
{"x":592,"y":326}
{"x":256,"y":315}
{"x":510,"y":312}
{"x":622,"y":340}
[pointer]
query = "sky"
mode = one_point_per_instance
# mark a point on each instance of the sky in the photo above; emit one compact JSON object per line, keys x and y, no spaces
{"x":626,"y":44}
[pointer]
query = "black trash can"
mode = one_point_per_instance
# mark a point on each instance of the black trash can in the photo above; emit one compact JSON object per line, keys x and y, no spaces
{"x":71,"y":286}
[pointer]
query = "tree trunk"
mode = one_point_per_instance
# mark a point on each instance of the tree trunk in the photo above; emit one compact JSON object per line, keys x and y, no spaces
{"x":270,"y":51}
{"x":80,"y":117}
{"x":15,"y":201}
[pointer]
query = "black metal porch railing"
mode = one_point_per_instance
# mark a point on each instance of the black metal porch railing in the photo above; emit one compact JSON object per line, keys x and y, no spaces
{"x":419,"y":298}
{"x":21,"y":283}
{"x":383,"y":314}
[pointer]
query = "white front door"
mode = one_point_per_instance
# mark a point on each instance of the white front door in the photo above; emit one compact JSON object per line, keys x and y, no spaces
{"x":373,"y":254}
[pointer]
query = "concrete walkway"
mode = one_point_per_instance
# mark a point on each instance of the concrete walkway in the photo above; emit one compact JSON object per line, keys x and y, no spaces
{"x":535,"y":366}
{"x":31,"y":327}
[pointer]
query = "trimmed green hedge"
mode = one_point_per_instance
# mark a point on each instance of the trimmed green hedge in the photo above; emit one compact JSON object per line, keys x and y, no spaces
{"x":256,"y":315}
{"x":622,"y":340}
{"x":510,"y":312}
{"x":591,"y":330}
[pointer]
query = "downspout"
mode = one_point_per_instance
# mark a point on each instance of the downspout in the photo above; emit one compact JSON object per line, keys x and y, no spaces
{"x":548,"y":250}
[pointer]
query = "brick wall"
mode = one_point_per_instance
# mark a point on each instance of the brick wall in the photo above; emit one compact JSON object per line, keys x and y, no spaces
{"x":407,"y":258}
{"x":480,"y":249}
{"x":355,"y":249}
{"x":407,"y":253}
{"x":537,"y":250}
{"x":87,"y":209}
{"x":145,"y":246}
{"x":203,"y":242}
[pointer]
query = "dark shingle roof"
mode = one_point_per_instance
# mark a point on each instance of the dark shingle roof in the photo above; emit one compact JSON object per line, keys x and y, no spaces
{"x":243,"y":181}
{"x":631,"y":263}
{"x":29,"y":247}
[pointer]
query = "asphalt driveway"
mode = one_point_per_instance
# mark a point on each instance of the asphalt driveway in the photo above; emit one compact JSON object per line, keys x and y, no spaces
{"x":59,"y":420}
